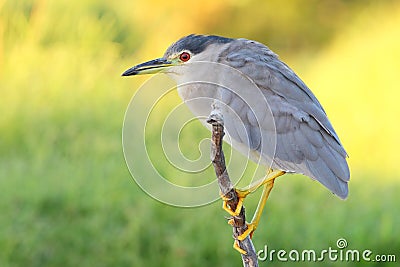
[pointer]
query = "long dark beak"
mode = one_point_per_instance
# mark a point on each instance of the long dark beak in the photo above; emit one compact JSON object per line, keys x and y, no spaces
{"x":149,"y":67}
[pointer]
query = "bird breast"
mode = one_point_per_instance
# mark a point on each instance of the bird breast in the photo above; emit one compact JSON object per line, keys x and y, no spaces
{"x":242,"y":120}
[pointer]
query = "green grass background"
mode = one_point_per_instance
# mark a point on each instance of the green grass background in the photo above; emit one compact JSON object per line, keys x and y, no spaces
{"x":67,"y":198}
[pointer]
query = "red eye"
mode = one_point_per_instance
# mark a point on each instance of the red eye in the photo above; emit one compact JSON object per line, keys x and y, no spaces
{"x":185,"y":56}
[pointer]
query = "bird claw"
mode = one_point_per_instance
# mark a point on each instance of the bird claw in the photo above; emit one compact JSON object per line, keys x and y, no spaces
{"x":251,"y":227}
{"x":241,"y":196}
{"x":238,"y":248}
{"x":248,"y":232}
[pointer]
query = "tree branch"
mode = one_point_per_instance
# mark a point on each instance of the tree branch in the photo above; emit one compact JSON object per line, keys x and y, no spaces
{"x":226,"y":187}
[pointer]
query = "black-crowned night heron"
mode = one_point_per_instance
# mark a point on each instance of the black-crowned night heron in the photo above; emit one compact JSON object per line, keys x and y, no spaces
{"x":306,"y":142}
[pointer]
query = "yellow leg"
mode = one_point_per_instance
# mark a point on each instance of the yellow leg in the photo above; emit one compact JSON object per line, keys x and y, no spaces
{"x":251,"y":227}
{"x":268,"y":185}
{"x":271,"y":175}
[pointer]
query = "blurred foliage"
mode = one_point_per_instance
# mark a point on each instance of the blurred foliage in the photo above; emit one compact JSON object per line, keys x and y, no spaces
{"x":298,"y":26}
{"x":67,"y":199}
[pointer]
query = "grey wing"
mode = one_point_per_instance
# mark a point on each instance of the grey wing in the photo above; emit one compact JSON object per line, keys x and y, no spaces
{"x":306,"y":140}
{"x":304,"y":146}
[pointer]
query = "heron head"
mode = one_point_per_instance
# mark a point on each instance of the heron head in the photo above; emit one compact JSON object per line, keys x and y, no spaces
{"x":190,"y":48}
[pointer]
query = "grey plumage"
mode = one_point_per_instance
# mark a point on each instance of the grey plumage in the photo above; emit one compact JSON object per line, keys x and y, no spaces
{"x":306,"y":140}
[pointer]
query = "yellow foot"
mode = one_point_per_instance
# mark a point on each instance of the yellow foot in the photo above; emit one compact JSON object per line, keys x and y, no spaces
{"x":251,"y":227}
{"x":241,"y":196}
{"x":238,"y":248}
{"x":249,"y":231}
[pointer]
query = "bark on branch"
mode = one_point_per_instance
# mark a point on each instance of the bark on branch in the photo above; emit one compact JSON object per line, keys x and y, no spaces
{"x":227,"y":189}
